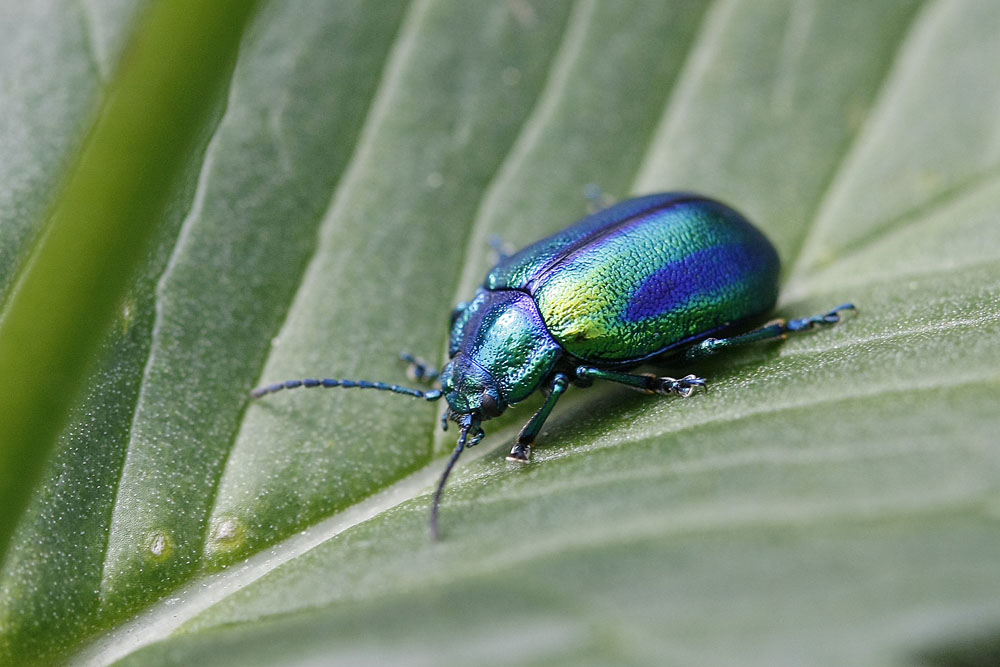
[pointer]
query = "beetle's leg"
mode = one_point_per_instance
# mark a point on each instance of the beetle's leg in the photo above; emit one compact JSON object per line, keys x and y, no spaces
{"x":770,"y":331}
{"x":501,"y":250}
{"x":521,"y":451}
{"x":644,"y":382}
{"x":596,"y":201}
{"x":419,"y":370}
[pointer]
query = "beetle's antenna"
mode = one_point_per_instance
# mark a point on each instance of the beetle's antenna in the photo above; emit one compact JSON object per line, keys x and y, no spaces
{"x":431,"y":395}
{"x":466,"y":425}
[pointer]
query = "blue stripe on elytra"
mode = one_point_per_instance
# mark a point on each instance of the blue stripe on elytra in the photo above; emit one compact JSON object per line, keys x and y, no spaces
{"x":702,"y":272}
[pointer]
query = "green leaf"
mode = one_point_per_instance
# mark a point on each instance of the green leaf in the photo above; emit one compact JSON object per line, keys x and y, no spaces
{"x":830,"y":500}
{"x":72,"y":277}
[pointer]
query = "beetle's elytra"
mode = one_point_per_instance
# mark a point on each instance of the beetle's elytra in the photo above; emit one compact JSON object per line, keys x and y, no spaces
{"x":668,"y":277}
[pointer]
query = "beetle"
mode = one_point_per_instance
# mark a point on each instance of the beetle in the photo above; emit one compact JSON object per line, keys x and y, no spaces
{"x":670,"y":277}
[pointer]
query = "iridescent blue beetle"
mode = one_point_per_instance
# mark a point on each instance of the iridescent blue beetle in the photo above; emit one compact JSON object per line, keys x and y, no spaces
{"x":669,"y":277}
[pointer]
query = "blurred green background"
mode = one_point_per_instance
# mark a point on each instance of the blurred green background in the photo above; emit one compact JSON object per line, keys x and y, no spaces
{"x":312,"y":186}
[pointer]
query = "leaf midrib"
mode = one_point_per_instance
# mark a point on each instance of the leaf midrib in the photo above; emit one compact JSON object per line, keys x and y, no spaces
{"x":206,"y":591}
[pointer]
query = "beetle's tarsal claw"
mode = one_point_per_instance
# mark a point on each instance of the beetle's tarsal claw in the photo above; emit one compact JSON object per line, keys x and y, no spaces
{"x":839,"y":313}
{"x":826,"y":319}
{"x":520,"y":453}
{"x":683,"y":387}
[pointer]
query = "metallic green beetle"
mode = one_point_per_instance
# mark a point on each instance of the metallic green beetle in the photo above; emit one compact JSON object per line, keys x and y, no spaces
{"x":672,"y":277}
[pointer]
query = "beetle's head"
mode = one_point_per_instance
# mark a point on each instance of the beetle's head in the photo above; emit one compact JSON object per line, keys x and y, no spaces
{"x":470,"y":390}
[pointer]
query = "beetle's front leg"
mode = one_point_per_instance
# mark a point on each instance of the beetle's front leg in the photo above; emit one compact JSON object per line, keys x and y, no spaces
{"x":521,"y":451}
{"x":419,"y":370}
{"x":645,"y":382}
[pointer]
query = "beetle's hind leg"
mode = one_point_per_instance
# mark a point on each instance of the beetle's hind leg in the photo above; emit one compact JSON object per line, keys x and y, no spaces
{"x":419,"y":370}
{"x":777,"y":329}
{"x":644,"y":382}
{"x":521,"y":451}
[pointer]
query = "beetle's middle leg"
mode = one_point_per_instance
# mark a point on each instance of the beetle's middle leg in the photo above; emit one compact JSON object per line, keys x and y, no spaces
{"x":596,"y":199}
{"x":521,"y":451}
{"x":500,"y":249}
{"x":644,"y":382}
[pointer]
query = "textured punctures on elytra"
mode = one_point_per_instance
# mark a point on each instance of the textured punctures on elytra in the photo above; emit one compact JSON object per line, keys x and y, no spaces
{"x":724,"y":268}
{"x":670,"y":278}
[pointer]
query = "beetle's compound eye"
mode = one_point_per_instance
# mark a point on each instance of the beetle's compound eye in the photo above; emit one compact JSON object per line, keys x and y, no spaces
{"x":489,"y":406}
